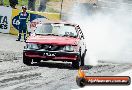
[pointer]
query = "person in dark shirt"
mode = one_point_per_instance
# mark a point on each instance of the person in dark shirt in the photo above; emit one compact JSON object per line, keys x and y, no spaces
{"x":31,"y":5}
{"x":42,"y":6}
{"x":13,"y":3}
{"x":1,"y":2}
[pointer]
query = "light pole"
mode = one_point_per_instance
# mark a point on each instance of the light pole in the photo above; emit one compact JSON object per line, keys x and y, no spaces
{"x":61,"y":9}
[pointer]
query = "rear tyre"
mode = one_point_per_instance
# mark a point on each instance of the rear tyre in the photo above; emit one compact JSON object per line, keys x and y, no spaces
{"x":76,"y":64}
{"x":27,"y":60}
{"x":82,"y":60}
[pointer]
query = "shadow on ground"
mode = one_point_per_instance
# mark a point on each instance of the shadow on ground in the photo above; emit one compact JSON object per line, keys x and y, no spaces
{"x":60,"y":65}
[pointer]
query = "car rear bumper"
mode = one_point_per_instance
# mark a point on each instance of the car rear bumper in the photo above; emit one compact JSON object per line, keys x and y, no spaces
{"x":51,"y":55}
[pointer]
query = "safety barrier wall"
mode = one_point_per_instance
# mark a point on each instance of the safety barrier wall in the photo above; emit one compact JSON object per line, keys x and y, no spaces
{"x":35,"y":18}
{"x":5,"y":19}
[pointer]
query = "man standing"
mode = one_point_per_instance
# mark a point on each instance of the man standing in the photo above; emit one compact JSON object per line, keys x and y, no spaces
{"x":1,"y":2}
{"x":42,"y":6}
{"x":23,"y":19}
{"x":31,"y":5}
{"x":13,"y":3}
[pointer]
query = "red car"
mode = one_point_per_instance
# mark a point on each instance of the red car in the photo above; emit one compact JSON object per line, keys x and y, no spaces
{"x":56,"y":41}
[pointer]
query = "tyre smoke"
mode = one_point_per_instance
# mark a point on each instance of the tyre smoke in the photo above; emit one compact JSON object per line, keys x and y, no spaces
{"x":107,"y":32}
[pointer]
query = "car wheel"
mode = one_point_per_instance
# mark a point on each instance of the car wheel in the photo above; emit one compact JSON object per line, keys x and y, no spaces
{"x":82,"y":60}
{"x":76,"y":64}
{"x":26,"y":60}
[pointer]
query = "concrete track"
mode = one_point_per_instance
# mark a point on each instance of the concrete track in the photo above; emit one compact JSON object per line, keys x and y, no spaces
{"x":14,"y":75}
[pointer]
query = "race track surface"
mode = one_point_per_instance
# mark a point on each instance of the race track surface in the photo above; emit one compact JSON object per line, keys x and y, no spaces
{"x":14,"y":75}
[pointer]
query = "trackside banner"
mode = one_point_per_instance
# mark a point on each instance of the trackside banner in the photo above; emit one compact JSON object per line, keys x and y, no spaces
{"x":5,"y":18}
{"x":35,"y":19}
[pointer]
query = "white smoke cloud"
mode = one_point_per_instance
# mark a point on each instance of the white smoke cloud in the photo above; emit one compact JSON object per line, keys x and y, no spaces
{"x":108,"y":36}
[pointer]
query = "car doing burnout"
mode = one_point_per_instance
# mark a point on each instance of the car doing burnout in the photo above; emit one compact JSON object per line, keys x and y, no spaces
{"x":57,"y":42}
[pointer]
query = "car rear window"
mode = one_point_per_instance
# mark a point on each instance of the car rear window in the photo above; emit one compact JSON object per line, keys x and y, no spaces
{"x":56,"y":29}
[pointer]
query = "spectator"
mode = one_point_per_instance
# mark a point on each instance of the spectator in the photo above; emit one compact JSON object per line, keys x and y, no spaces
{"x":42,"y":6}
{"x":1,"y":2}
{"x":13,"y":3}
{"x":31,"y":5}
